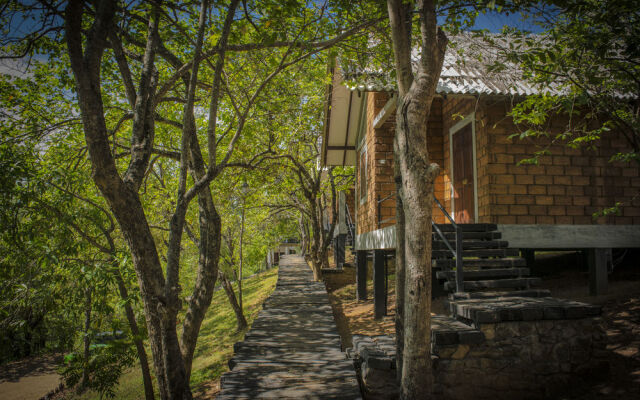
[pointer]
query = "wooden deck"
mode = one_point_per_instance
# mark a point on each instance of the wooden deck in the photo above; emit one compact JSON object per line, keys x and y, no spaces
{"x":293,"y":348}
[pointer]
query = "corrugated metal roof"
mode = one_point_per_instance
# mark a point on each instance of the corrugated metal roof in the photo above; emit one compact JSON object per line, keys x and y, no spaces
{"x":465,"y":70}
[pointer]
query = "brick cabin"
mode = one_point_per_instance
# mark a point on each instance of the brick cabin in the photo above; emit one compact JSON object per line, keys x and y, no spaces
{"x":544,"y":206}
{"x":565,"y":188}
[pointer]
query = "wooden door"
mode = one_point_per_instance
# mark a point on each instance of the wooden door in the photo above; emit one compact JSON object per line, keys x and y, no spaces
{"x":463,"y":187}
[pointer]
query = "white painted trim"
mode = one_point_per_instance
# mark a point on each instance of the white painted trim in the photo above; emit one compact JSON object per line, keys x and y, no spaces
{"x":363,"y":199}
{"x":362,"y":123}
{"x":570,"y":236}
{"x":533,"y":237}
{"x":386,"y":111}
{"x":469,"y":119}
{"x":384,"y":238}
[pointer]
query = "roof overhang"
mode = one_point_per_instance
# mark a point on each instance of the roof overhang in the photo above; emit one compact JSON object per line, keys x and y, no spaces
{"x":342,"y":115}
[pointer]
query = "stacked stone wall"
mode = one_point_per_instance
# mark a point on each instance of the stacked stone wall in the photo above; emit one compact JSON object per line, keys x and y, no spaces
{"x":524,"y":359}
{"x":504,"y":360}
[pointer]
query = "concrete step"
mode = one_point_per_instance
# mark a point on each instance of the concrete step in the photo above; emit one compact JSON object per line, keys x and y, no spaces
{"x":485,"y":273}
{"x":495,"y":284}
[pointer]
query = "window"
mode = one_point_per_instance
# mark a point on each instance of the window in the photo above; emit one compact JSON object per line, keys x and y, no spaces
{"x":362,"y":165}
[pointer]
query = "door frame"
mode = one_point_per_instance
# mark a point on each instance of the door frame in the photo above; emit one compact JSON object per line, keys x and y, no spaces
{"x":469,"y":119}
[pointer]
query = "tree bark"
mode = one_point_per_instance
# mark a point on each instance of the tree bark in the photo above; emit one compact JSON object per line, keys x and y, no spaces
{"x":228,"y":288}
{"x":415,"y":95}
{"x":86,"y":340}
{"x":137,"y":338}
{"x":241,"y":265}
{"x":400,"y":272}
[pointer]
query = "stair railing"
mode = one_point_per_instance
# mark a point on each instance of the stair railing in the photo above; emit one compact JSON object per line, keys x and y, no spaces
{"x":350,"y":224}
{"x":379,"y":206}
{"x":458,"y":252}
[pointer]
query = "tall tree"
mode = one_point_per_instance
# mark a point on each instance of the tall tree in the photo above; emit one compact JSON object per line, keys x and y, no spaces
{"x":417,"y":78}
{"x":414,"y":176}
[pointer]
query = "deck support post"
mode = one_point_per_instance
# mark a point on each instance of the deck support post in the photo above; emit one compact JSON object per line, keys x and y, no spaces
{"x":379,"y":286}
{"x":338,"y":250}
{"x":361,"y":275}
{"x":530,"y":256}
{"x":597,"y":260}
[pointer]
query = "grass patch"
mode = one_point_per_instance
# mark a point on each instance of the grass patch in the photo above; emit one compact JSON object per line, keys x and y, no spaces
{"x":215,"y":341}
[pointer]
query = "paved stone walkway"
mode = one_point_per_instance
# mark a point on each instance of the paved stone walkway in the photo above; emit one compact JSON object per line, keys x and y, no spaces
{"x":293,"y":348}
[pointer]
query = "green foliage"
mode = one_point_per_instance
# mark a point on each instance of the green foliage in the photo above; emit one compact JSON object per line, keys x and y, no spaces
{"x":106,"y":363}
{"x":589,"y":53}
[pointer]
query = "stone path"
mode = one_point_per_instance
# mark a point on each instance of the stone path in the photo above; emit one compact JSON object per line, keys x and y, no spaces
{"x":293,"y":348}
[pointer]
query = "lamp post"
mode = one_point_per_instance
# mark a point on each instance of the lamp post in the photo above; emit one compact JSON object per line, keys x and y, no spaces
{"x":244,"y":190}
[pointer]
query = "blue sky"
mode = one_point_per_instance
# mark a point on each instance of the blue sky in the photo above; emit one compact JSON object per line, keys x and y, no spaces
{"x":494,"y":22}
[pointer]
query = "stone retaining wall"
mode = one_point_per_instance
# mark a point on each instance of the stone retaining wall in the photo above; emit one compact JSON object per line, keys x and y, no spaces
{"x":522,"y":359}
{"x":512,"y":357}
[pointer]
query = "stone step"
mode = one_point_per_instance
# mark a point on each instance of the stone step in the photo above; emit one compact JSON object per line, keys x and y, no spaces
{"x":347,"y":390}
{"x":268,"y":316}
{"x":472,"y":244}
{"x":482,"y":263}
{"x":301,"y":309}
{"x":495,"y":284}
{"x":479,"y":274}
{"x":508,"y":309}
{"x":282,"y":375}
{"x":287,"y":361}
{"x":439,"y":254}
{"x":260,"y":346}
{"x":279,"y":330}
{"x":293,"y":349}
{"x":495,"y":294}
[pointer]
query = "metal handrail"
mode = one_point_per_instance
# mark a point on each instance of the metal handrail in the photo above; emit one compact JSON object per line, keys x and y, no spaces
{"x":459,"y":251}
{"x":349,"y":223}
{"x":379,"y":208}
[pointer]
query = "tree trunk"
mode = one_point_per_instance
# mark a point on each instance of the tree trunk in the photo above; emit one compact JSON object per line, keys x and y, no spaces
{"x":122,"y":196}
{"x":241,"y":258}
{"x":228,"y":288}
{"x":415,"y":95}
{"x":86,"y":340}
{"x":400,"y":271}
{"x":135,"y":331}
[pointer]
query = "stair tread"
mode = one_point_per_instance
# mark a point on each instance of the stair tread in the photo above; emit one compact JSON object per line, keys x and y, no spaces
{"x":494,"y":284}
{"x":485,"y":273}
{"x":478,"y":253}
{"x":472,"y":244}
{"x":492,"y":235}
{"x":484,"y":263}
{"x":469,"y":227}
{"x":494,"y":294}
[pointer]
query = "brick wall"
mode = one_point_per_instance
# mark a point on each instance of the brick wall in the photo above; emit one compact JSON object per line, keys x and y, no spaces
{"x":380,"y":183}
{"x":566,"y":187}
{"x":379,"y":148}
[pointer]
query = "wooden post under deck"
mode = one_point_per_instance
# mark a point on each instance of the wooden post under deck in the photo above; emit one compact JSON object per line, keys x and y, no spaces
{"x":597,"y":260}
{"x":361,"y":274}
{"x":379,"y":287}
